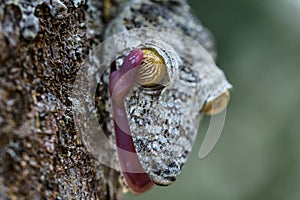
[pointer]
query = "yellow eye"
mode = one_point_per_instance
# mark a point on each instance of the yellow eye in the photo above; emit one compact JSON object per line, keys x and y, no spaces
{"x":217,"y":105}
{"x":152,"y":70}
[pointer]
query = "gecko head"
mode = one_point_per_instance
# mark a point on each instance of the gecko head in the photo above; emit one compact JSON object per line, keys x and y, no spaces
{"x":163,"y":106}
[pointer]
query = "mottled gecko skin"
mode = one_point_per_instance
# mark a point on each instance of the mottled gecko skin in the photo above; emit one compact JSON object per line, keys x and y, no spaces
{"x":164,"y":120}
{"x":175,"y":15}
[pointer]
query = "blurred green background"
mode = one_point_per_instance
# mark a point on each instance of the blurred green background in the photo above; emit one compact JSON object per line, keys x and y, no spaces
{"x":258,"y":154}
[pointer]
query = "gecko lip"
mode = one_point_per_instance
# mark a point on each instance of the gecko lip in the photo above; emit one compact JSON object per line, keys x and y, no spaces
{"x":168,"y":180}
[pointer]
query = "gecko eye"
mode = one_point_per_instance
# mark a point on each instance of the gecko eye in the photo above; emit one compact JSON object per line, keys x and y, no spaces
{"x":153,"y":70}
{"x":217,"y":105}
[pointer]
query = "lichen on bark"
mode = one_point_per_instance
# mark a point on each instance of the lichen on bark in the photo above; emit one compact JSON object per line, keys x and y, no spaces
{"x":42,"y":45}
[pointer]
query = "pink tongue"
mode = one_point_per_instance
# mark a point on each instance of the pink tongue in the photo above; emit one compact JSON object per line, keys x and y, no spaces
{"x":120,"y":82}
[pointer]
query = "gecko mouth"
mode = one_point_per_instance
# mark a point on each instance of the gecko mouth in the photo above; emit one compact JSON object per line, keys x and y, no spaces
{"x":169,"y":180}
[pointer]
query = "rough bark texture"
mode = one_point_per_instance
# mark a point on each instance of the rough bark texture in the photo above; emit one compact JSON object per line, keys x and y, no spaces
{"x":42,"y":44}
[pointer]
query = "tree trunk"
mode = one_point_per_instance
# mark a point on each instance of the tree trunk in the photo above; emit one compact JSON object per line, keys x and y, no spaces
{"x":42,"y":44}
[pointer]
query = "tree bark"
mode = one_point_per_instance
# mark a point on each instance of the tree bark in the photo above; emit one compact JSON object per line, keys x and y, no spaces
{"x":42,"y":45}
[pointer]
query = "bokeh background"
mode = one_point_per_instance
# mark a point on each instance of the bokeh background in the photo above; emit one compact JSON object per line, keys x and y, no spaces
{"x":258,"y":154}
